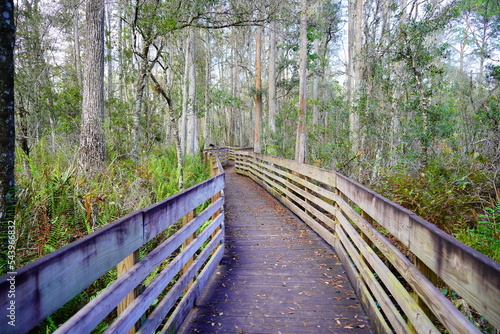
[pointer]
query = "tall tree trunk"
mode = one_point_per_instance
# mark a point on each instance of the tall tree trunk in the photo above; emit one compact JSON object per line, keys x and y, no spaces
{"x":258,"y":94}
{"x":109,"y":49}
{"x":91,"y":155}
{"x":316,"y":87}
{"x":186,"y":97}
{"x":205,"y":127}
{"x":234,"y":92}
{"x":272,"y":77}
{"x":121,"y":51}
{"x":7,"y":129}
{"x":354,"y":69}
{"x":397,"y":93}
{"x":232,"y":112}
{"x":76,"y":36}
{"x":301,"y":141}
{"x":174,"y":125}
{"x":142,"y":77}
{"x":192,"y":117}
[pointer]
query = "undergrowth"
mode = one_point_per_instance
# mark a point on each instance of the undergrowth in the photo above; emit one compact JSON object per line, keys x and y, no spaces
{"x":56,"y":205}
{"x":455,"y":199}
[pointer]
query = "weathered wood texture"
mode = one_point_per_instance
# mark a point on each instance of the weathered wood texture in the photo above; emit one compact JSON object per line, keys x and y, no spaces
{"x":45,"y":285}
{"x":396,"y":294}
{"x":276,"y":275}
{"x":222,"y":154}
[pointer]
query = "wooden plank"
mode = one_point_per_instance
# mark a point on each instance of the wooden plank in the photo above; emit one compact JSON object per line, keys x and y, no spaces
{"x":405,"y":301}
{"x":443,"y":254}
{"x":160,"y":216}
{"x":469,"y":273}
{"x":311,"y":197}
{"x":160,"y":282}
{"x":274,"y":261}
{"x":185,"y":220}
{"x":391,"y":216}
{"x":187,"y":303}
{"x":318,"y":228}
{"x":92,"y":314}
{"x":389,"y":309}
{"x":327,"y":177}
{"x":440,"y":306}
{"x":440,"y":252}
{"x":306,"y":183}
{"x":369,"y":304}
{"x":163,"y":308}
{"x":48,"y":283}
{"x":318,"y":214}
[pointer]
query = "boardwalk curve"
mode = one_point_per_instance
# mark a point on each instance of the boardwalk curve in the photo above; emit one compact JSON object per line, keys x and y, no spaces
{"x":277,"y":275}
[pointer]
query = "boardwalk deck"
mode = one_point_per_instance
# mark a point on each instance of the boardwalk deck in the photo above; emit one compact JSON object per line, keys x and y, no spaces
{"x":277,"y":276}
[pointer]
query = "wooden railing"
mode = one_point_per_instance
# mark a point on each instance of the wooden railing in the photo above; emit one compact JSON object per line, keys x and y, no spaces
{"x":181,"y":264}
{"x":225,"y":153}
{"x":397,"y":281}
{"x":222,"y":153}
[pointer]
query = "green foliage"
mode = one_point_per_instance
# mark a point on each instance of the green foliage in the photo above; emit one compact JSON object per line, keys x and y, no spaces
{"x":450,"y":197}
{"x":485,"y":236}
{"x":56,"y":206}
{"x":438,"y":193}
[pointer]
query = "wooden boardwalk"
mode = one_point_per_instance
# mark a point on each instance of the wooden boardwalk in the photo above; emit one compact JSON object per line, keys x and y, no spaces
{"x":277,"y":276}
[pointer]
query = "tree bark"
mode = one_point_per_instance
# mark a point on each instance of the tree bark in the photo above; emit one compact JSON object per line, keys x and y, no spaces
{"x":174,"y":124}
{"x":316,"y":87}
{"x":192,"y":117}
{"x":354,"y":69}
{"x":272,"y":77}
{"x":109,"y":56}
{"x":205,"y":128}
{"x":91,"y":155}
{"x":139,"y":94}
{"x":78,"y":58}
{"x":7,"y":128}
{"x":258,"y":94}
{"x":301,"y":140}
{"x":187,"y":102}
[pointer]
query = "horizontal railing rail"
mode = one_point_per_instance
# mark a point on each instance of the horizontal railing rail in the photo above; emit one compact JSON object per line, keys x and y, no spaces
{"x":188,"y":258}
{"x":222,"y":153}
{"x":400,"y":295}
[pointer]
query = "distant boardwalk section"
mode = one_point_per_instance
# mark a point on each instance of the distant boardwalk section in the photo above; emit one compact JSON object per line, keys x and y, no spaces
{"x":277,"y":275}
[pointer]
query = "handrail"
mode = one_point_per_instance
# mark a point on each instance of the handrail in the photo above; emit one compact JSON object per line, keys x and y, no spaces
{"x":43,"y":286}
{"x":398,"y":294}
{"x":222,"y":153}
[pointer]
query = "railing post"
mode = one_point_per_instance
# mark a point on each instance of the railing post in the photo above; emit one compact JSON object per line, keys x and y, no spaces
{"x":185,"y":220}
{"x":424,"y":269}
{"x":121,"y":268}
{"x":370,"y":220}
{"x":214,"y":198}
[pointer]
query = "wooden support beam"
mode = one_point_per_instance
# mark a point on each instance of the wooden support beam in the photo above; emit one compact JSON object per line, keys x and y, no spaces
{"x":122,"y":267}
{"x":185,"y":220}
